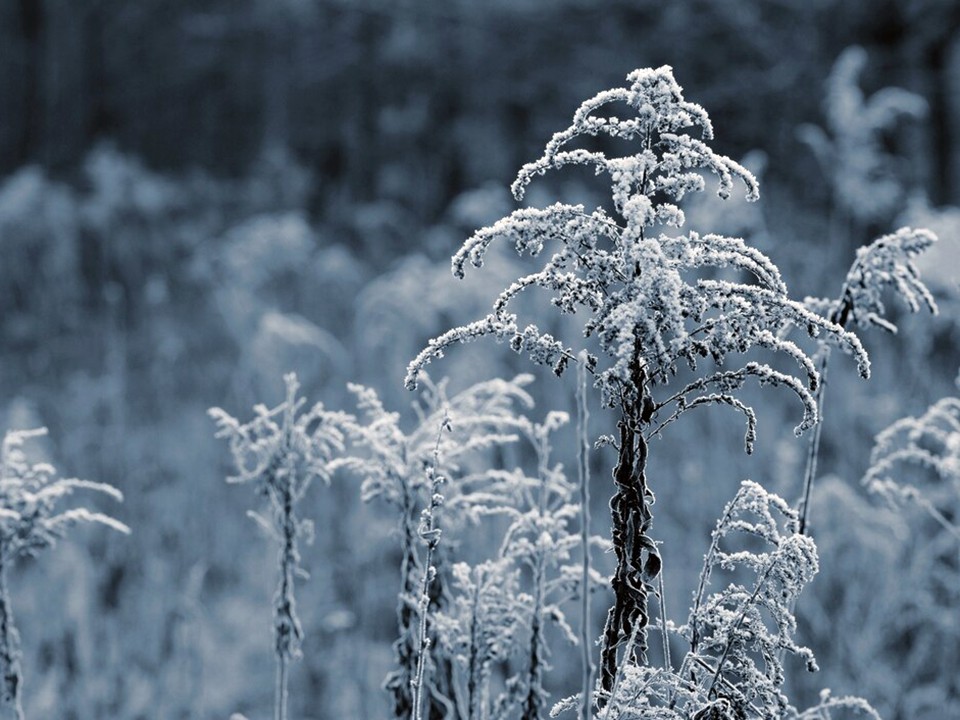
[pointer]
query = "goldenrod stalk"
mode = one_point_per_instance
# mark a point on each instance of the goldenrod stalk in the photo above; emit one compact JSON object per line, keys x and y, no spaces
{"x":9,"y":653}
{"x":813,"y":448}
{"x":583,"y":461}
{"x":430,"y":534}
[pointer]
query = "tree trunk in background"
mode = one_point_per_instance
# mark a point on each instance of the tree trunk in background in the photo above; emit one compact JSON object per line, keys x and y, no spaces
{"x":31,"y":24}
{"x":63,"y":135}
{"x":276,"y":29}
{"x":950,"y":79}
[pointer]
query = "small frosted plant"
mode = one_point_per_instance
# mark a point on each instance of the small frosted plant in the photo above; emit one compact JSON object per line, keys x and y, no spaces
{"x":31,"y":521}
{"x":737,"y":636}
{"x":482,"y":627}
{"x":649,"y":307}
{"x":401,"y":467}
{"x":280,"y":452}
{"x":861,"y":174}
{"x":886,"y":263}
{"x":916,"y":448}
{"x":541,"y":544}
{"x":915,"y":466}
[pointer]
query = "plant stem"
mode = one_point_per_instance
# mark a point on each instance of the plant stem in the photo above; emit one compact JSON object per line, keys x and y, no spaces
{"x":430,"y":534}
{"x":9,"y":652}
{"x":286,"y":630}
{"x":813,"y":448}
{"x":630,"y":513}
{"x":399,"y":682}
{"x":534,"y":699}
{"x":583,"y":462}
{"x":280,"y":706}
{"x":475,"y":666}
{"x":423,"y":640}
{"x":533,"y":702}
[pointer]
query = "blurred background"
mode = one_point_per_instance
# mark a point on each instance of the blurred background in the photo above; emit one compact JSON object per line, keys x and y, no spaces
{"x":197,"y":196}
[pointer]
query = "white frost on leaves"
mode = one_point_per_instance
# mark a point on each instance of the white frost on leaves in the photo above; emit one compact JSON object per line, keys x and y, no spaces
{"x":862,"y":174}
{"x":280,"y":452}
{"x":29,"y":494}
{"x":914,"y":450}
{"x":887,"y":262}
{"x":637,"y":285}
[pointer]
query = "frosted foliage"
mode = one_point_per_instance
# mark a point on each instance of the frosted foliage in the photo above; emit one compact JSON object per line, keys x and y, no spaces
{"x":31,"y":520}
{"x":738,"y":633}
{"x":887,"y":262}
{"x":915,"y":468}
{"x":444,"y":452}
{"x":641,"y":289}
{"x":482,"y":627}
{"x":863,"y":176}
{"x":939,"y":264}
{"x":30,"y":493}
{"x":280,"y":452}
{"x":738,"y":636}
{"x":543,"y":536}
{"x":543,"y":540}
{"x":915,"y":450}
{"x":391,"y":460}
{"x":283,"y":446}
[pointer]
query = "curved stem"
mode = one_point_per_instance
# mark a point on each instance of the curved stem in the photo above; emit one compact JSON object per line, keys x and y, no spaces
{"x":704,"y":579}
{"x":813,"y":448}
{"x":736,"y":626}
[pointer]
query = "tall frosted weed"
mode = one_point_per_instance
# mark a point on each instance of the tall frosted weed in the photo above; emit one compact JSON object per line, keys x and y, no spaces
{"x":280,"y":452}
{"x":400,"y":468}
{"x":475,"y":627}
{"x":31,"y":520}
{"x":650,"y":305}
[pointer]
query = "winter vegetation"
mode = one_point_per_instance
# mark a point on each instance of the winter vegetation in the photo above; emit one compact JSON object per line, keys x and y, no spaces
{"x":613,"y":383}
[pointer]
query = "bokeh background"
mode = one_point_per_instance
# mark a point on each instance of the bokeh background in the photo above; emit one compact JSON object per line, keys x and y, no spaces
{"x":197,"y":196}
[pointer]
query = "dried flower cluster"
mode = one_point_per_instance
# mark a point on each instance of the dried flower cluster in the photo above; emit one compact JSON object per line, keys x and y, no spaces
{"x":280,"y":452}
{"x":30,"y":521}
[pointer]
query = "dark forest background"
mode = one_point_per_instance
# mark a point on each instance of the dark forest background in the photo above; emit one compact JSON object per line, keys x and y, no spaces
{"x":197,"y":196}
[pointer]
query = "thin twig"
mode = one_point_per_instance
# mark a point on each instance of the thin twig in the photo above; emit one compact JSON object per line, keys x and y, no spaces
{"x":431,"y":536}
{"x":667,"y":663}
{"x":583,"y":461}
{"x":813,"y":448}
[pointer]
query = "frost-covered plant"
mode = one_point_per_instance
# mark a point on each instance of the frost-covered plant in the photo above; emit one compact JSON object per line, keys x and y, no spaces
{"x":733,"y":669}
{"x":649,"y":307}
{"x":542,"y":540}
{"x":280,"y":452}
{"x":915,"y":468}
{"x":399,"y":467}
{"x":886,"y":263}
{"x":429,"y":531}
{"x":913,"y":450}
{"x":31,"y":521}
{"x":482,"y":626}
{"x":861,"y":174}
{"x":737,"y":635}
